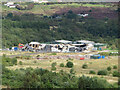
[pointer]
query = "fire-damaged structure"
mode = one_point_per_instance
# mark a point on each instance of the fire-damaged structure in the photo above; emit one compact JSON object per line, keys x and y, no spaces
{"x":60,"y":46}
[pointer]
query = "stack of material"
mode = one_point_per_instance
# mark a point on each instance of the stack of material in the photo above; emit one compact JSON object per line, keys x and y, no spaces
{"x":97,"y":56}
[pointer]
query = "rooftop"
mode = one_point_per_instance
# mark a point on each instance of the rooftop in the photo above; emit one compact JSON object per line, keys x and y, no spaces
{"x":86,"y":41}
{"x":34,"y":43}
{"x":63,"y":41}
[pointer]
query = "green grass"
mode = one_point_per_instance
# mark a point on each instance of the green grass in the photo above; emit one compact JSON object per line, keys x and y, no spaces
{"x":95,"y":5}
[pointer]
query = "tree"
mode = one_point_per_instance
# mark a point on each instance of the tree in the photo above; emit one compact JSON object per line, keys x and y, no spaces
{"x":85,"y":66}
{"x":102,"y":72}
{"x":92,"y":82}
{"x":69,"y":64}
{"x":109,"y":68}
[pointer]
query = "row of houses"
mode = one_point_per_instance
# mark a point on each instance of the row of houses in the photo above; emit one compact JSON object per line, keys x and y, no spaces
{"x":62,"y":46}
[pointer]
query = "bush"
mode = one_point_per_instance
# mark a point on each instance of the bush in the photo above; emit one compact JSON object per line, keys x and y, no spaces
{"x":69,"y":64}
{"x":92,"y":72}
{"x":114,"y":67}
{"x":102,"y":72}
{"x":85,"y":83}
{"x":53,"y":68}
{"x":70,"y":59}
{"x":109,"y":68}
{"x":72,"y":71}
{"x":116,"y":74}
{"x":53,"y":64}
{"x":14,"y":61}
{"x":85,"y":66}
{"x":20,"y":63}
{"x":119,"y":81}
{"x":9,"y":61}
{"x":38,"y":56}
{"x":62,"y":65}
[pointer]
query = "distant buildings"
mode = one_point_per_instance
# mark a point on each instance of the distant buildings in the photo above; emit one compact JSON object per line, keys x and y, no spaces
{"x":64,"y":46}
{"x":11,"y":5}
{"x":83,"y":15}
{"x":61,"y":46}
{"x":40,"y":1}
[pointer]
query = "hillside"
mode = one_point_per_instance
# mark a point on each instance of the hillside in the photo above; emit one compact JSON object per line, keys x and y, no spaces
{"x":58,"y":22}
{"x":49,"y":9}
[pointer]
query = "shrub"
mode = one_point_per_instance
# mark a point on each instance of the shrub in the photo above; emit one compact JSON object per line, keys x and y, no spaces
{"x":14,"y":61}
{"x":69,"y":64}
{"x":102,"y":72}
{"x":20,"y":62}
{"x":70,"y":59}
{"x":72,"y":71}
{"x":53,"y":64}
{"x":109,"y":68}
{"x":85,"y":83}
{"x":84,"y":66}
{"x":38,"y":56}
{"x":114,"y":67}
{"x":119,"y":81}
{"x":116,"y":74}
{"x":90,"y":10}
{"x":4,"y":55}
{"x":53,"y":68}
{"x":92,"y":72}
{"x":22,"y":69}
{"x":62,"y":65}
